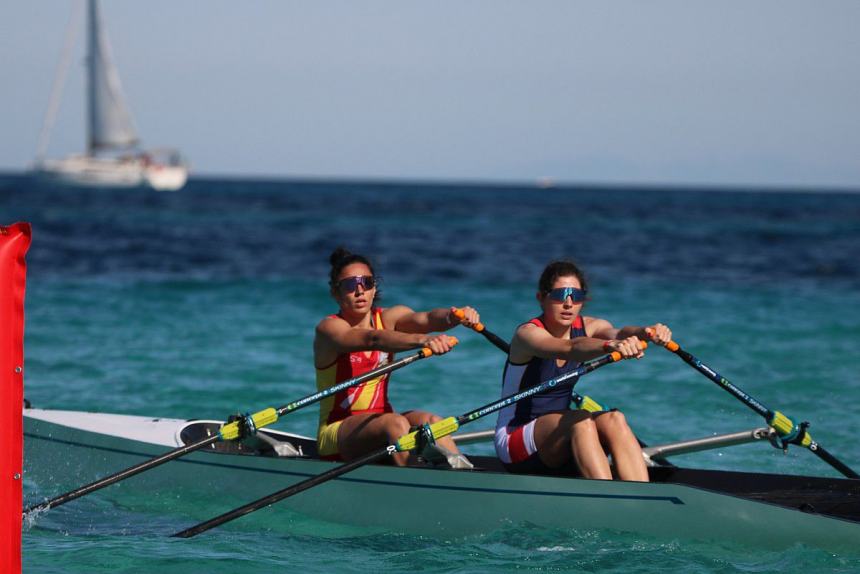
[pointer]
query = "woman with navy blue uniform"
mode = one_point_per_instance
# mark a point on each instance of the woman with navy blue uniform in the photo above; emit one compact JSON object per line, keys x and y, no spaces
{"x":543,"y":434}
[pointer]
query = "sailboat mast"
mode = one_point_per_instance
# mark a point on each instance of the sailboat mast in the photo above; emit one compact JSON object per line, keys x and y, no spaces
{"x":92,"y":74}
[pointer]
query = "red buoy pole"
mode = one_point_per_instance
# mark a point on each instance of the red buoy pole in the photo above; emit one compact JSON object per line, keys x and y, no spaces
{"x":14,"y":242}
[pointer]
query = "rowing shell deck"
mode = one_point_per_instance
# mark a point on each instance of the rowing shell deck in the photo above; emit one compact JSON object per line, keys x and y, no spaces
{"x":65,"y":449}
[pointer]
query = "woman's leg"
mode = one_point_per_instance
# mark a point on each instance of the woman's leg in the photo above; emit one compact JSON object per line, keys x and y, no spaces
{"x":560,"y":436}
{"x":617,"y":437}
{"x":360,"y":434}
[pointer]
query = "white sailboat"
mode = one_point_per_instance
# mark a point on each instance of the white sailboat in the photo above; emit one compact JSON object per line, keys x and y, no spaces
{"x":112,"y":158}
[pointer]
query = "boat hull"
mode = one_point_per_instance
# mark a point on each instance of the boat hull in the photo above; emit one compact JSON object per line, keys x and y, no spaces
{"x":87,"y":171}
{"x":438,"y":503}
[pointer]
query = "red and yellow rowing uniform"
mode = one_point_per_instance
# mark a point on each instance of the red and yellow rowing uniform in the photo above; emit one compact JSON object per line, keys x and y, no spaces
{"x":370,"y":397}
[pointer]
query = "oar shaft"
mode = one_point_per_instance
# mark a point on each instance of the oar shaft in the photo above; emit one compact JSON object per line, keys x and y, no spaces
{"x":295,"y":405}
{"x":720,"y":380}
{"x":229,"y":431}
{"x":824,"y":455}
{"x":540,"y":388}
{"x":282,"y":494}
{"x":784,"y":426}
{"x":122,"y":475}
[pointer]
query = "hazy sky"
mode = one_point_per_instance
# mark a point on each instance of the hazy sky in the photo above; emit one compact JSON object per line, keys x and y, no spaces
{"x":759,"y":93}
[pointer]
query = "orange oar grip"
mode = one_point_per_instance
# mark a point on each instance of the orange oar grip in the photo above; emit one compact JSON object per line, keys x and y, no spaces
{"x":616,"y":356}
{"x":451,"y":341}
{"x":460,"y":314}
{"x":671,"y":345}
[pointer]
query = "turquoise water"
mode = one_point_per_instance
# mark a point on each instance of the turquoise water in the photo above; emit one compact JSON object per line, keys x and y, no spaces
{"x":202,"y":303}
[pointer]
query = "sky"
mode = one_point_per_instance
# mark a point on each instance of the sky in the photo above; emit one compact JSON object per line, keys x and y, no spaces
{"x":732,"y":93}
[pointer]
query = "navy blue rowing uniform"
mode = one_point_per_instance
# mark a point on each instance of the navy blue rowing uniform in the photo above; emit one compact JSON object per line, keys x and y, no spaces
{"x":515,"y":425}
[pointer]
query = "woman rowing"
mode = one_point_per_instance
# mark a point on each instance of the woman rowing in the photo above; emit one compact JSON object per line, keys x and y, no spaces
{"x":360,"y":338}
{"x":542,"y":434}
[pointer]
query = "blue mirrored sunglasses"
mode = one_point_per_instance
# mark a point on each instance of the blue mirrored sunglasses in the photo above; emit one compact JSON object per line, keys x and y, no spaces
{"x":562,"y":293}
{"x":350,"y":284}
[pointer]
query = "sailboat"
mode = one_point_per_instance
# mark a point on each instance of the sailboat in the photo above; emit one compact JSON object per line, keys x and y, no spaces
{"x":113,"y":157}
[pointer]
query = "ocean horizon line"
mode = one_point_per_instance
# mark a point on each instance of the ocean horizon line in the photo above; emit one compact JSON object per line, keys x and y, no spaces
{"x":539,"y":184}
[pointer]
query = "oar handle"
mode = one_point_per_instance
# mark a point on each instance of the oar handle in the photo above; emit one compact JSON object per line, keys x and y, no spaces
{"x":427,"y":351}
{"x":671,"y":345}
{"x":460,"y":314}
{"x":616,"y":355}
{"x":491,"y":337}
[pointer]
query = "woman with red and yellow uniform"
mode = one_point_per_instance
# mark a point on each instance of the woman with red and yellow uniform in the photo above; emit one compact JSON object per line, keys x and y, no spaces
{"x":360,"y":338}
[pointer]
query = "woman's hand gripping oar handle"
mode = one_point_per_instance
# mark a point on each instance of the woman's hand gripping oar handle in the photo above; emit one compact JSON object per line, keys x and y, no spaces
{"x":491,"y":337}
{"x":788,"y":431}
{"x":247,"y":424}
{"x":407,"y":442}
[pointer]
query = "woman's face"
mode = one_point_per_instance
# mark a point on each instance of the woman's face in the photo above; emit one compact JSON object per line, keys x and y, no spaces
{"x":565,"y":311}
{"x":351,"y":291}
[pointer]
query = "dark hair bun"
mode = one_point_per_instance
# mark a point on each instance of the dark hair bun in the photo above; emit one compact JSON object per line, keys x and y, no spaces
{"x":338,"y":255}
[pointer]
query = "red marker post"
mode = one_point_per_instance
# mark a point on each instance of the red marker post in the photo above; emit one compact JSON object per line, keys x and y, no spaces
{"x":14,"y":242}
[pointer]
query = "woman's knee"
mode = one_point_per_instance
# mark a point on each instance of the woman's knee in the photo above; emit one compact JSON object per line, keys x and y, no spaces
{"x":422,"y":417}
{"x":613,"y":422}
{"x":396,"y":426}
{"x":581,"y":425}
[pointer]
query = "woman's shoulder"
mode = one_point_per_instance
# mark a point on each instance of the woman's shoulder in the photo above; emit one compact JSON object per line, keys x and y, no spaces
{"x":531,"y":323}
{"x":527,"y":326}
{"x":593,"y":324}
{"x":390,"y":315}
{"x":329,"y":322}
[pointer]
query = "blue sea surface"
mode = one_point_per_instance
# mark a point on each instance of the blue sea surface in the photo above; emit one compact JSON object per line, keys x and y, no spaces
{"x":202,"y":303}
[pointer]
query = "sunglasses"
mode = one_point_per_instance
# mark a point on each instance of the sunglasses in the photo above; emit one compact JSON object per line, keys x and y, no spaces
{"x":562,"y":293}
{"x":350,"y":284}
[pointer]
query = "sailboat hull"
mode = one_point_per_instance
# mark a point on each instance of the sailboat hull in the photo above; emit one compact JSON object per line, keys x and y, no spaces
{"x":86,"y":171}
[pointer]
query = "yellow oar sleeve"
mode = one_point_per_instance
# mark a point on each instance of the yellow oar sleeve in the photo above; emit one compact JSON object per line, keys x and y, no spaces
{"x":785,"y":427}
{"x":439,"y":429}
{"x":230,"y":431}
{"x":589,"y":404}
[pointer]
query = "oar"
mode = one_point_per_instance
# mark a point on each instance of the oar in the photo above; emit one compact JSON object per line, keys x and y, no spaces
{"x":491,"y":337}
{"x":230,"y":431}
{"x":789,"y":432}
{"x":405,"y":443}
{"x":581,"y":402}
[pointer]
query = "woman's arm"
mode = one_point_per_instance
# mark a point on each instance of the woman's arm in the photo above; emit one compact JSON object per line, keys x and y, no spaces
{"x":334,"y":336}
{"x":406,"y":320}
{"x":533,"y":341}
{"x":603,"y":329}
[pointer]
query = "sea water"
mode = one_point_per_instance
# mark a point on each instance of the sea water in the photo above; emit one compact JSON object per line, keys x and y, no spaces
{"x":202,"y":303}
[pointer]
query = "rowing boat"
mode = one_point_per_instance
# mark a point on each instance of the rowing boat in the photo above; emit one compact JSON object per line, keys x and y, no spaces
{"x":765,"y":510}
